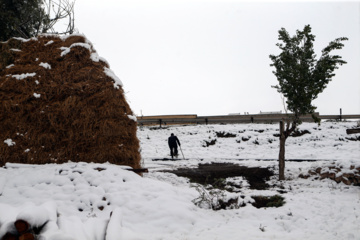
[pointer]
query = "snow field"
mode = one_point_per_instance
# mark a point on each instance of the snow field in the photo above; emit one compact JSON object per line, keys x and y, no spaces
{"x":75,"y":200}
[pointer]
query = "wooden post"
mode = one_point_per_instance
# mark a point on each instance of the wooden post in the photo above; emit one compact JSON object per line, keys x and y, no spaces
{"x":22,"y":231}
{"x":27,"y":236}
{"x":22,"y":226}
{"x":340,"y":114}
{"x":282,"y":152}
{"x":160,"y":121}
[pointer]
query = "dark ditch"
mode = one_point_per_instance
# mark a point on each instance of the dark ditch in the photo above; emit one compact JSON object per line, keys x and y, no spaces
{"x":216,"y":173}
{"x":211,"y":173}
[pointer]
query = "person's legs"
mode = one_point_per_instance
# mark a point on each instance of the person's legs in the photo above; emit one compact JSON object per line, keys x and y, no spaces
{"x":175,"y":151}
{"x":172,"y":152}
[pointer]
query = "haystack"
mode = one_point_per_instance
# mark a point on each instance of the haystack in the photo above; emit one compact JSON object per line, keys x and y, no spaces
{"x":60,"y":102}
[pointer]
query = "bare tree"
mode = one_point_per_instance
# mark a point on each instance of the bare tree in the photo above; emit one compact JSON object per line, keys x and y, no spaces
{"x":59,"y":11}
{"x":29,"y":18}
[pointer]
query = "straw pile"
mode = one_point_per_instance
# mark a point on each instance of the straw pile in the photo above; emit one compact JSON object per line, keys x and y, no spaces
{"x":59,"y":101}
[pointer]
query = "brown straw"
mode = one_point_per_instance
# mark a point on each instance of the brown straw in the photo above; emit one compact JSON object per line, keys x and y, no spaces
{"x":71,"y":112}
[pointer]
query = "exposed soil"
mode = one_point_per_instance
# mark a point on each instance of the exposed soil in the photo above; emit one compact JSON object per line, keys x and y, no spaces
{"x":355,"y":138}
{"x":209,"y":143}
{"x":296,"y":133}
{"x":211,"y":173}
{"x":273,"y":201}
{"x":225,"y":135}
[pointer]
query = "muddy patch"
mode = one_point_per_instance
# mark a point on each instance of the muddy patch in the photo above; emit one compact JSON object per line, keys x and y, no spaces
{"x":272,"y":201}
{"x":214,"y":173}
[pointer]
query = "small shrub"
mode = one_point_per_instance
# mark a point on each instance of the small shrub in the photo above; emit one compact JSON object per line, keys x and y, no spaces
{"x":209,"y":143}
{"x":219,"y":183}
{"x":245,"y":138}
{"x":298,"y":133}
{"x":259,"y":131}
{"x":214,"y":199}
{"x":262,"y":228}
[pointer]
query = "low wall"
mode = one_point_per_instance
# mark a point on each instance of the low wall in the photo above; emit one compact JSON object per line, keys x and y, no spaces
{"x":251,"y":118}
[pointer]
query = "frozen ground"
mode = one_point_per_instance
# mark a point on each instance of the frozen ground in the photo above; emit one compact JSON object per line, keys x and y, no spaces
{"x":75,"y":199}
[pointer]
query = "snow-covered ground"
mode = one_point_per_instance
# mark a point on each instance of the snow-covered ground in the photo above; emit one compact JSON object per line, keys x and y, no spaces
{"x":75,"y":200}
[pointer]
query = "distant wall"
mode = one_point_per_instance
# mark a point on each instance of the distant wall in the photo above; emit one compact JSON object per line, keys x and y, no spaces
{"x":248,"y":118}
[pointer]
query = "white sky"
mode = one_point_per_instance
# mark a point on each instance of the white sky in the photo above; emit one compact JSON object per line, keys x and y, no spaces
{"x":212,"y":57}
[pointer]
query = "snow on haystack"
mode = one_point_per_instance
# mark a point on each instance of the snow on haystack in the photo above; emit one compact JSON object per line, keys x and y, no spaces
{"x":60,"y":101}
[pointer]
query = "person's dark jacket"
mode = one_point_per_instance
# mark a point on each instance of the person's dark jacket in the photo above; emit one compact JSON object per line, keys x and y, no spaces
{"x":173,"y":140}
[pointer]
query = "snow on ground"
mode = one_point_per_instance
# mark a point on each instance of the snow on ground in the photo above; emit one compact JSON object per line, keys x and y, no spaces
{"x":75,"y":199}
{"x":325,"y":142}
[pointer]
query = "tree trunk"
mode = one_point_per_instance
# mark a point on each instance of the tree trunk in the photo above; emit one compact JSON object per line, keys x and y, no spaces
{"x":282,"y":152}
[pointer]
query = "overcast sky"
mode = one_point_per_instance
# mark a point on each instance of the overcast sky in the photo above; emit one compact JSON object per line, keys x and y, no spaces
{"x":212,"y":57}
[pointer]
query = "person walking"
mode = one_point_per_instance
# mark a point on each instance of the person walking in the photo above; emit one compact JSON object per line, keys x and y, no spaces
{"x":173,"y":142}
